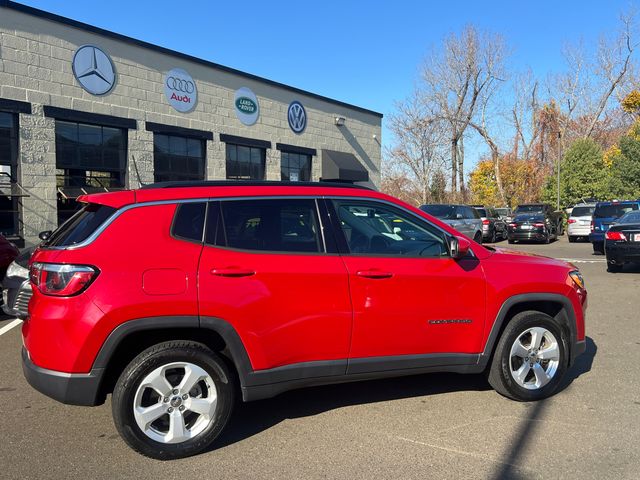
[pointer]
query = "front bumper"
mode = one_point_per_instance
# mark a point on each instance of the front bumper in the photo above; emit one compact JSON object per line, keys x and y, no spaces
{"x":69,"y":388}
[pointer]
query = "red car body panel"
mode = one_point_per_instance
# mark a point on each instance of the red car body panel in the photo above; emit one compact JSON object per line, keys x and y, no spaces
{"x":292,"y":308}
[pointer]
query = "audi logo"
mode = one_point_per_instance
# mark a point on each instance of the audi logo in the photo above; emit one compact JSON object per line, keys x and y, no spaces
{"x":180,"y":85}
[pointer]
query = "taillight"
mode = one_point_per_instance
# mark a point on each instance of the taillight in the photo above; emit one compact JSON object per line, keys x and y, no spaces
{"x":513,"y":225}
{"x":592,"y":225}
{"x":539,"y":225}
{"x":571,"y":220}
{"x":485,"y":222}
{"x":61,"y":280}
{"x":617,"y":236}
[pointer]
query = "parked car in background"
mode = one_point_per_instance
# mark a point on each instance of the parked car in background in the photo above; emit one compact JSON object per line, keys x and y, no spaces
{"x":604,"y":215}
{"x":493,"y":226}
{"x":505,"y":213}
{"x":553,"y":218}
{"x":579,"y":223}
{"x":532,"y":227}
{"x":8,"y":252}
{"x":463,"y":218}
{"x":622,"y":241}
{"x":272,"y":287}
{"x":16,"y":288}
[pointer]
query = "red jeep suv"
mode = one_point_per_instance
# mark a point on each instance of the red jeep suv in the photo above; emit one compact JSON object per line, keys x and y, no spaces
{"x":179,"y":296}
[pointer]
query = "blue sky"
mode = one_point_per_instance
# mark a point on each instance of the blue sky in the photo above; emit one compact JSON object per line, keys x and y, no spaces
{"x":366,"y":52}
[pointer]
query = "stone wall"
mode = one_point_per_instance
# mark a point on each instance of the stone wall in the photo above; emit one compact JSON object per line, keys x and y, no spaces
{"x":35,"y":66}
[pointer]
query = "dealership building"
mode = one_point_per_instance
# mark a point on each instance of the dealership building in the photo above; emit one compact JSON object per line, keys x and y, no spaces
{"x":85,"y":110}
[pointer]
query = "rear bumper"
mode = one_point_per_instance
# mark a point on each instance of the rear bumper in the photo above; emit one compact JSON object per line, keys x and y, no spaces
{"x":533,"y":236}
{"x":579,"y":231}
{"x":622,"y":252}
{"x":69,"y":388}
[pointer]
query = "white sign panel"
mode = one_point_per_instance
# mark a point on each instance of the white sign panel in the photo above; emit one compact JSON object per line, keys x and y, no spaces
{"x":180,"y":90}
{"x":94,"y":70}
{"x":246,"y":105}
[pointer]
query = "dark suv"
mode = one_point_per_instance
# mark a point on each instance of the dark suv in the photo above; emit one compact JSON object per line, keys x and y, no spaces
{"x":179,"y":298}
{"x":604,"y":215}
{"x":494,"y":226}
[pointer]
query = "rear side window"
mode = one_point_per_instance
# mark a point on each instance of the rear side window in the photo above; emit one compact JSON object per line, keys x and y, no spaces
{"x":582,"y":211}
{"x":482,"y":212}
{"x":80,"y":226}
{"x":440,"y":211}
{"x":188,"y":222}
{"x":272,"y":225}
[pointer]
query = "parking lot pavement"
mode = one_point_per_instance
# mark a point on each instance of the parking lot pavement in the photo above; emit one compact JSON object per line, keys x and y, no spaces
{"x":427,"y":426}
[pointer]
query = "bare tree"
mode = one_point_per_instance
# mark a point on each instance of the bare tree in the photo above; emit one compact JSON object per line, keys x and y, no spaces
{"x":454,"y":82}
{"x":418,"y":150}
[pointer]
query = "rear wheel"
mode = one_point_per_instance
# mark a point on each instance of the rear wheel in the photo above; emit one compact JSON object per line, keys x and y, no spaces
{"x":530,"y":358}
{"x":572,"y":239}
{"x":614,"y":267}
{"x":478,"y":237}
{"x":493,"y":237}
{"x":173,"y":400}
{"x":511,"y":240}
{"x":598,"y":248}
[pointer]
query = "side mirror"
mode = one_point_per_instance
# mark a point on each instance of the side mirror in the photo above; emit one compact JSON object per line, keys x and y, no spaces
{"x":45,"y":235}
{"x":459,"y":247}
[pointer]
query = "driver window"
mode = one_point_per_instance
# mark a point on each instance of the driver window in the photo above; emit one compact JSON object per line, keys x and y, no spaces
{"x":377,"y":229}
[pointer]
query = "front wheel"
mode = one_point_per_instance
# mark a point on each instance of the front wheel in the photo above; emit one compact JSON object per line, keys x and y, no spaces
{"x":530,"y":359}
{"x":173,"y":400}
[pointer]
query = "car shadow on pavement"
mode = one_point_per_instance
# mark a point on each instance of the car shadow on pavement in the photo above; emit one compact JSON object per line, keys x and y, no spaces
{"x":252,"y":418}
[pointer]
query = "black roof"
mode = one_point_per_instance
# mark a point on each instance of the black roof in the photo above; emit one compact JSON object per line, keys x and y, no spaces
{"x":248,"y":183}
{"x":167,"y":51}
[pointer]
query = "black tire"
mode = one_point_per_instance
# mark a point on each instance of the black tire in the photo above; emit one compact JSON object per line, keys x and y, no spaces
{"x":547,"y":239}
{"x":145,"y":363}
{"x":499,"y":374}
{"x":511,"y":241}
{"x":493,"y":237}
{"x":478,"y":237}
{"x":572,"y":238}
{"x":598,"y":248}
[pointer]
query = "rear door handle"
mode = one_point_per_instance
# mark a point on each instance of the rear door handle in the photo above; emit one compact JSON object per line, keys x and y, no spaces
{"x":232,"y":272}
{"x":374,"y":274}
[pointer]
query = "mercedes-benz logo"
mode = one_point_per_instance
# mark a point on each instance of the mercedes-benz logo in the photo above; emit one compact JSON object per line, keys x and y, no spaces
{"x":297,"y":117}
{"x":94,"y":70}
{"x":180,"y":85}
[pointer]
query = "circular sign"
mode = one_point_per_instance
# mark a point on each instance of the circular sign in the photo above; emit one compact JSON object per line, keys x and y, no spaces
{"x":297,"y":116}
{"x":180,"y":90}
{"x":94,"y":70}
{"x":247,"y":108}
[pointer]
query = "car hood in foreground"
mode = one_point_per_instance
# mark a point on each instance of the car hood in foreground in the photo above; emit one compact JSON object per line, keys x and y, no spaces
{"x":509,"y":255}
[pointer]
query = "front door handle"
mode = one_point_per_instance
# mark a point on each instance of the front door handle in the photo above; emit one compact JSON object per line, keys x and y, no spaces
{"x":232,"y":272}
{"x":374,"y":274}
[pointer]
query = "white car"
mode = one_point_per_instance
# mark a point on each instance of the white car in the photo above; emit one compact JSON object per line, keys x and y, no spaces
{"x":579,"y":224}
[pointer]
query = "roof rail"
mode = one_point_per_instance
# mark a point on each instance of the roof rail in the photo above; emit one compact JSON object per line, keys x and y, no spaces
{"x":249,"y":183}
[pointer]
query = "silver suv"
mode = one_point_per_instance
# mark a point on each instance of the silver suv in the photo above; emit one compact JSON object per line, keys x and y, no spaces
{"x":463,"y":218}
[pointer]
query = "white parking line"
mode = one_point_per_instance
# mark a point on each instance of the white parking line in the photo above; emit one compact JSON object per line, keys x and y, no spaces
{"x":8,"y":327}
{"x":584,"y":260}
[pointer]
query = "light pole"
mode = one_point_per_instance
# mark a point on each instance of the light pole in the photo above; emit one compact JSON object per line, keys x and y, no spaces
{"x":558,"y":167}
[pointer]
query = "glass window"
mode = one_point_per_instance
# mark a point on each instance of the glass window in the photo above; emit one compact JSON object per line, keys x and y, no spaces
{"x":80,"y":226}
{"x":188,"y":222}
{"x":272,"y":225}
{"x":295,"y":167}
{"x":482,"y":212}
{"x":614,"y":210}
{"x":373,"y":228}
{"x":440,"y":211}
{"x":178,"y":158}
{"x":582,"y":211}
{"x":8,"y":173}
{"x":89,"y":158}
{"x":245,"y":163}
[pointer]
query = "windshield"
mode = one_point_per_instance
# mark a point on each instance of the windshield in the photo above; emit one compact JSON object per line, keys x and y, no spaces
{"x":440,"y":211}
{"x":614,"y":211}
{"x":527,"y":217}
{"x":582,"y":211}
{"x":631,"y":217}
{"x":529,"y":208}
{"x":78,"y":228}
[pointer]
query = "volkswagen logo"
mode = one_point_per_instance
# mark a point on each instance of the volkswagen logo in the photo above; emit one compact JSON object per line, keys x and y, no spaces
{"x":180,"y":85}
{"x":297,"y":117}
{"x":94,"y":70}
{"x":180,"y":90}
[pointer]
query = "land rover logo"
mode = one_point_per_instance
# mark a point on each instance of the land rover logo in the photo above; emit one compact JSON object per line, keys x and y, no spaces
{"x":180,"y":90}
{"x":297,"y":117}
{"x":94,"y":70}
{"x":247,"y":107}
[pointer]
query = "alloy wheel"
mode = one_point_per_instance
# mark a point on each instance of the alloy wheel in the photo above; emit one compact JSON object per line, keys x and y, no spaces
{"x":534,"y":358}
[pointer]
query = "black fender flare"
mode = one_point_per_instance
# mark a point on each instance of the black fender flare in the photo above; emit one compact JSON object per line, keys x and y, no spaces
{"x":566,"y":316}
